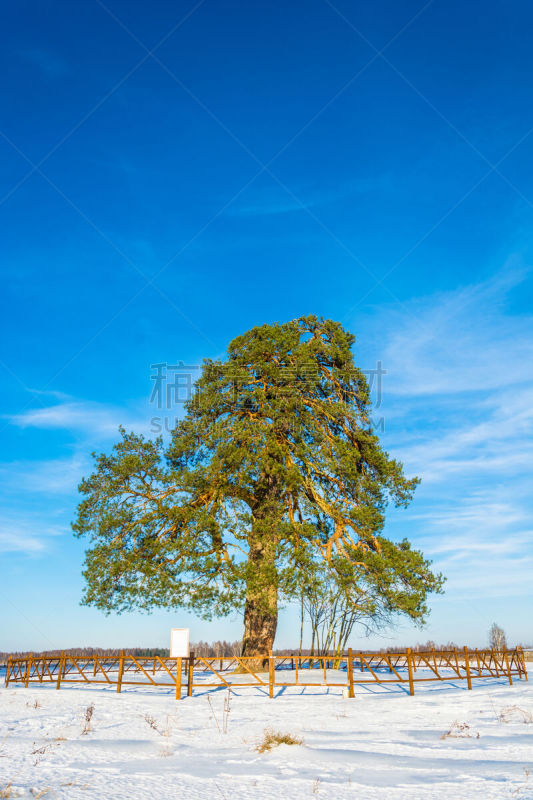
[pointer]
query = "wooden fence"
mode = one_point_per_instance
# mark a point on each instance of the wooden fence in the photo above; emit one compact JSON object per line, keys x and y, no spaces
{"x":270,"y":672}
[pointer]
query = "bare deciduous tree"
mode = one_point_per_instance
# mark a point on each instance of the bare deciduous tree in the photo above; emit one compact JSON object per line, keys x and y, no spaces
{"x":371,"y":594}
{"x":497,"y":637}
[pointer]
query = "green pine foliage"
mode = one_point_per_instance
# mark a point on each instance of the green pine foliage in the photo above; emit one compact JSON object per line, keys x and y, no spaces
{"x":273,"y":473}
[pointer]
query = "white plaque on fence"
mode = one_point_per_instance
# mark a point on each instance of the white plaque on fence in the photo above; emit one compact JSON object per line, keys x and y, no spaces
{"x":179,"y":643}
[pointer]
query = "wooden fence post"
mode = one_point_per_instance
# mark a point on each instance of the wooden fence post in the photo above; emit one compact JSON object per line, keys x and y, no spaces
{"x":271,"y":674}
{"x":297,"y":668}
{"x":456,"y":662}
{"x":516,"y":656}
{"x":506,"y":659}
{"x":190,"y":674}
{"x":349,"y":667}
{"x":493,"y":658}
{"x":361,"y":662}
{"x":60,"y":668}
{"x":410,"y":671}
{"x":28,"y":670}
{"x":522,"y":656}
{"x":478,"y":663}
{"x":8,"y":670}
{"x":120,"y":671}
{"x":178,"y":679}
{"x":467,"y":667}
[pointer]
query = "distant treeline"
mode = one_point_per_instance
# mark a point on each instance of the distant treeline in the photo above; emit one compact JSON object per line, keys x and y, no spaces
{"x":429,"y":645}
{"x":420,"y":647}
{"x":200,"y":649}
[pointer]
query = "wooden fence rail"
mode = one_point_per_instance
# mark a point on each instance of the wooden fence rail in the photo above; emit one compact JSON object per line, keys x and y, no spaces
{"x":270,"y":672}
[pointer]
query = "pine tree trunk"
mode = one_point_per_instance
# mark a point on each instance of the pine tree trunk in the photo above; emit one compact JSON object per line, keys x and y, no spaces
{"x":259,"y":629}
{"x":261,"y":607}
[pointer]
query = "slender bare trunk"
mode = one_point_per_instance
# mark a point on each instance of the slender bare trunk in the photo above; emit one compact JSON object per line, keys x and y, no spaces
{"x":301,"y":625}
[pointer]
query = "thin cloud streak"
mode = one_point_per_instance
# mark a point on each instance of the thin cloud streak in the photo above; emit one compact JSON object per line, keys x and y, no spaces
{"x":26,"y":534}
{"x":273,"y":200}
{"x":458,"y":406}
{"x":46,"y":477}
{"x":85,"y":417}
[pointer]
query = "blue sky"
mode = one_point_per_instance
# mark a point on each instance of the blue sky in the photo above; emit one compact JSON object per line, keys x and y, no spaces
{"x":173,"y":175}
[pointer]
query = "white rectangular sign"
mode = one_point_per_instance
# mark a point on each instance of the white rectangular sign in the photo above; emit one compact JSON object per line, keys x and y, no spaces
{"x":179,"y":643}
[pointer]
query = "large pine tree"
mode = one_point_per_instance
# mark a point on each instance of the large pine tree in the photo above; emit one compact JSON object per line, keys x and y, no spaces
{"x":273,"y":471}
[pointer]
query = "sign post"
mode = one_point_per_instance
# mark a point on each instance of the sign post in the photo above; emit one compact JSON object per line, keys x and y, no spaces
{"x":179,"y":649}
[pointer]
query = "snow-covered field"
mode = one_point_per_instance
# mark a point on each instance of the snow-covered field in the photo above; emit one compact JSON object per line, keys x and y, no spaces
{"x":382,"y":744}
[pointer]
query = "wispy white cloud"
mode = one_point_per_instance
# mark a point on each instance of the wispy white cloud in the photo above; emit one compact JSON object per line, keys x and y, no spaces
{"x":481,"y":521}
{"x":485,"y":437}
{"x":52,"y":476}
{"x":481,"y":542}
{"x":91,"y":418}
{"x":458,"y":392}
{"x":32,"y":487}
{"x":27,"y":534}
{"x":51,"y":393}
{"x":269,"y":200}
{"x":458,"y":342}
{"x":458,"y":405}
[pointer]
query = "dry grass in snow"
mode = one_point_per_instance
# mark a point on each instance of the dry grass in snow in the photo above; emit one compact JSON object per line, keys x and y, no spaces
{"x":273,"y":739}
